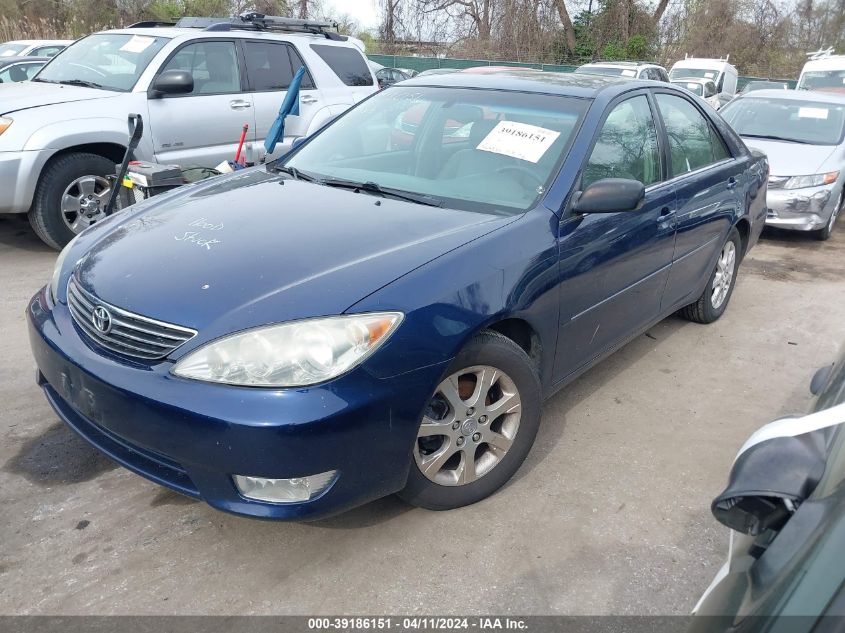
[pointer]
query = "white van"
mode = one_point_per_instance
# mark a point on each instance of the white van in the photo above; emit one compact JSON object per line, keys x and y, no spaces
{"x":719,"y":71}
{"x":824,"y":71}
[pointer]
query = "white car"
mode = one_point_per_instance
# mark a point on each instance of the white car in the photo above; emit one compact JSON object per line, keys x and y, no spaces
{"x":195,"y":85}
{"x":634,"y":70}
{"x":33,"y":48}
{"x":719,"y":71}
{"x":704,"y":88}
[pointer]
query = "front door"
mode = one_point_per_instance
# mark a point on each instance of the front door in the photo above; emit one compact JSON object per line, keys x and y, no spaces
{"x":202,"y":128}
{"x":613,"y":266}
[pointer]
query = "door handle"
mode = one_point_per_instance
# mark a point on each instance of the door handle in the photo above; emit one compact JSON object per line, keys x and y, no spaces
{"x":731,"y":182}
{"x":666,"y":214}
{"x":239,"y":104}
{"x":308,"y":99}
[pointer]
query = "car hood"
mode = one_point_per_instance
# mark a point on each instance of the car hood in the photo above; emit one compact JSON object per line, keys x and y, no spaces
{"x":28,"y":94}
{"x":792,"y":159}
{"x":254,"y":248}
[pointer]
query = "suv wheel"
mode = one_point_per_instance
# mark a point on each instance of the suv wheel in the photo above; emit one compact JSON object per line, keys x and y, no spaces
{"x":478,"y":427}
{"x":71,"y":196}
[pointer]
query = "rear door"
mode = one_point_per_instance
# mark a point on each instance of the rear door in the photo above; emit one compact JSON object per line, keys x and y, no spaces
{"x":270,"y":69}
{"x":707,"y":178}
{"x":614,"y":266}
{"x":202,"y":128}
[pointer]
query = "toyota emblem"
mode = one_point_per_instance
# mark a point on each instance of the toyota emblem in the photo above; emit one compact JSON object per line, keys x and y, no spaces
{"x":101,"y":319}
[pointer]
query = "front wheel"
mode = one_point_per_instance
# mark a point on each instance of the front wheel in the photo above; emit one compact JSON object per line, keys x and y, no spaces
{"x":824,"y":233}
{"x":720,"y":286}
{"x":478,"y":427}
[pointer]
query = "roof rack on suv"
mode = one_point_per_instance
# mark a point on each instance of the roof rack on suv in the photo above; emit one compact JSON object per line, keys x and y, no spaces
{"x":261,"y":22}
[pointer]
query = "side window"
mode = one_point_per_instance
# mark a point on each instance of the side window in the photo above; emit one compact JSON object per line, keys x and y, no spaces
{"x":214,"y":66}
{"x":626,"y":146}
{"x":691,"y":141}
{"x":268,"y":66}
{"x":720,"y":150}
{"x":664,"y":76}
{"x":295,"y":63}
{"x":720,"y":87}
{"x":347,"y":63}
{"x":46,"y":51}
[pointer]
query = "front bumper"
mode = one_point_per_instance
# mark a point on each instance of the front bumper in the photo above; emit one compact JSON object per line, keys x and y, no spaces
{"x":18,"y":176}
{"x":193,"y":437}
{"x":806,"y":209}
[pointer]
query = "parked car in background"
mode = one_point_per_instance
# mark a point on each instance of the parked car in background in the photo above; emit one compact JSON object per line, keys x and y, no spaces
{"x":14,"y":69}
{"x":751,"y":86}
{"x":785,"y":506}
{"x":704,"y":88}
{"x":33,"y":48}
{"x":492,"y":70}
{"x":438,"y":71}
{"x":824,"y":71}
{"x":722,"y":73}
{"x":389,"y":76}
{"x":62,"y":133}
{"x":634,"y":70}
{"x":802,"y":134}
{"x":356,"y":319}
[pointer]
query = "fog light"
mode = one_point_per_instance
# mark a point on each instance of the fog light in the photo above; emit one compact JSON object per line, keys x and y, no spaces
{"x":283,"y":490}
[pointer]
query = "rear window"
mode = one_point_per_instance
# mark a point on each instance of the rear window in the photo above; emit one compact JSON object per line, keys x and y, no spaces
{"x":347,"y":63}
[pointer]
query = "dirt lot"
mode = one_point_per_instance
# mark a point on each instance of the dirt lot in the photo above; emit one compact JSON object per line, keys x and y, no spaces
{"x":609,"y":515}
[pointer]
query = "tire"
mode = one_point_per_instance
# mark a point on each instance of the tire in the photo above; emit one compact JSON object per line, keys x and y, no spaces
{"x":824,"y":233}
{"x":706,"y":308}
{"x":507,"y":378}
{"x":46,"y":216}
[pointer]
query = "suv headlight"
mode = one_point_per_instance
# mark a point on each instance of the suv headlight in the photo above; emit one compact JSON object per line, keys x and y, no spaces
{"x":5,"y":122}
{"x":294,"y":354}
{"x":816,"y":180}
{"x":57,"y":269}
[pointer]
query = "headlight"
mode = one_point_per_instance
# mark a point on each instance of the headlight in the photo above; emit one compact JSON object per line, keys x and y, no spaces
{"x":816,"y":180}
{"x":293,"y":354}
{"x":57,"y":269}
{"x":5,"y":122}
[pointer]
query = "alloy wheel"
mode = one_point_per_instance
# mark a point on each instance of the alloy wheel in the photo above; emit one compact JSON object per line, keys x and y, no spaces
{"x":724,"y":274}
{"x":84,"y":202}
{"x":469,"y":426}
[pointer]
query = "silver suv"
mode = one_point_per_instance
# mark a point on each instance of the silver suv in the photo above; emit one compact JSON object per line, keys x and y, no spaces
{"x":634,"y":70}
{"x":196,"y":84}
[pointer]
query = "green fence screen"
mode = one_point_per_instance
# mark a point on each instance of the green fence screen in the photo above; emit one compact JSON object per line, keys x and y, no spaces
{"x":425,"y":63}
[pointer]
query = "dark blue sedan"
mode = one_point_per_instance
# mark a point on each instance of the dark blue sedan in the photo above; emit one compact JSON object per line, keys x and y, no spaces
{"x":384,"y":309}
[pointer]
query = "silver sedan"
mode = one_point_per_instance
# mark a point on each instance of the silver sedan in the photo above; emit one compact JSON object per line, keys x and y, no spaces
{"x":802,"y":134}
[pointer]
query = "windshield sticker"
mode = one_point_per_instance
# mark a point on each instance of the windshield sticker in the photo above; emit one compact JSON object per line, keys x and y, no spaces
{"x":138,"y":44}
{"x":812,"y":113}
{"x":629,"y":73}
{"x":195,"y":237}
{"x":519,"y":140}
{"x":8,"y":54}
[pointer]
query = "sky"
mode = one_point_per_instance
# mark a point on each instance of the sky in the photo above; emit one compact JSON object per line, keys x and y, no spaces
{"x":365,"y":11}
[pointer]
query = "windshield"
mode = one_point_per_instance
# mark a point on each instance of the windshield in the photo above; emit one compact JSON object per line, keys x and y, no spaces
{"x":481,"y":150}
{"x":699,"y":73}
{"x":693,"y":87}
{"x":833,"y":80}
{"x":801,"y":121}
{"x":112,"y":61}
{"x":606,"y":70}
{"x":10,"y":49}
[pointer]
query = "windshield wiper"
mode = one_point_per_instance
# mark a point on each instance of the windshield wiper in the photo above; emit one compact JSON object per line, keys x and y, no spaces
{"x":294,"y":173}
{"x":776,"y":138}
{"x":375,"y":188}
{"x":79,"y":82}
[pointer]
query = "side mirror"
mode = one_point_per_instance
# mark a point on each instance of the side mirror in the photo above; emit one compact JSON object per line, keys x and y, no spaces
{"x":172,"y":82}
{"x":820,"y":379}
{"x":611,"y":195}
{"x":777,"y":469}
{"x":297,"y":142}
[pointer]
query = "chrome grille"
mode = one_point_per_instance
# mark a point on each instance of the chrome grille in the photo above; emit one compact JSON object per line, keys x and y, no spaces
{"x":126,"y":333}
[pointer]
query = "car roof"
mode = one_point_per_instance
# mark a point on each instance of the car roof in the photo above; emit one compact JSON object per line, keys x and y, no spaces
{"x":800,"y":95}
{"x":564,"y":84}
{"x":832,"y":62}
{"x":5,"y":61}
{"x":172,"y":32}
{"x":624,"y":64}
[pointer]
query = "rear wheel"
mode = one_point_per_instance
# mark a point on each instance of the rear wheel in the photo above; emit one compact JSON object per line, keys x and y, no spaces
{"x":478,"y":428}
{"x":71,"y":195}
{"x":714,"y":300}
{"x":824,"y":233}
